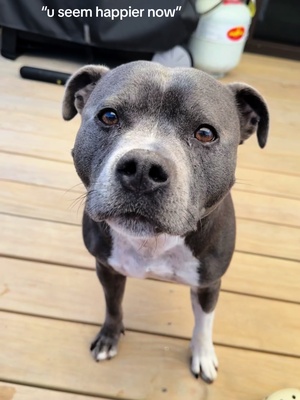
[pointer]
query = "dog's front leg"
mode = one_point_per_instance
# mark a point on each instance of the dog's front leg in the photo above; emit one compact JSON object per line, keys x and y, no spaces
{"x":106,"y":342}
{"x":204,"y":361}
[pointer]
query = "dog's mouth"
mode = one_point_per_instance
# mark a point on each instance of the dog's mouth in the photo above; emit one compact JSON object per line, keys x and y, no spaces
{"x":135,"y":224}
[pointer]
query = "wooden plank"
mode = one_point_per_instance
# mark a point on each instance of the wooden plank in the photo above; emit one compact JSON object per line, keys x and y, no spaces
{"x":26,"y":103}
{"x":62,"y":175}
{"x":41,"y":202}
{"x":28,"y":123}
{"x":62,"y":244}
{"x":53,"y":138}
{"x":249,"y":273}
{"x":266,"y":208}
{"x":11,"y":68}
{"x":256,"y":275}
{"x":39,"y":172}
{"x":59,"y":292}
{"x":277,"y":73}
{"x":61,"y":206}
{"x":55,"y":141}
{"x":278,"y":156}
{"x":267,"y":239}
{"x":278,"y":81}
{"x":50,"y":137}
{"x":54,"y":354}
{"x":37,"y":144}
{"x":23,"y":105}
{"x":281,"y":93}
{"x":43,"y":241}
{"x":273,"y":183}
{"x":263,"y":276}
{"x":13,"y":391}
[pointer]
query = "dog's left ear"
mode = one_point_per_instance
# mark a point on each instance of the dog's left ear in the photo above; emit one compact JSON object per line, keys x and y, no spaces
{"x":253,"y":112}
{"x":79,"y":87}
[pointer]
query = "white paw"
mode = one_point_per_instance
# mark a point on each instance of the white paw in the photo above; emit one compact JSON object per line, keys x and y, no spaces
{"x":204,"y":362}
{"x":105,"y":344}
{"x":106,"y":353}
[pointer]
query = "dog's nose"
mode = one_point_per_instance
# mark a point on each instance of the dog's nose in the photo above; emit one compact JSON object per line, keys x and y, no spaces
{"x":143,"y":171}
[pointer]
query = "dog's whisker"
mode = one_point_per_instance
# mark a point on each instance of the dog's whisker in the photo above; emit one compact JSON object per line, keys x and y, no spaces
{"x":79,"y":201}
{"x":81,"y":196}
{"x":143,"y":244}
{"x":245,"y":183}
{"x":73,"y":187}
{"x":201,"y":226}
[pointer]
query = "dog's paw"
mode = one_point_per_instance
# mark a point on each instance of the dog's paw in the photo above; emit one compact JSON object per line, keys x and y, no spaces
{"x":204,"y":362}
{"x":105,"y":344}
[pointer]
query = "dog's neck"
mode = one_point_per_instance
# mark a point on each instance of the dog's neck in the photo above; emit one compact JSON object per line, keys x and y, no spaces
{"x":148,"y":247}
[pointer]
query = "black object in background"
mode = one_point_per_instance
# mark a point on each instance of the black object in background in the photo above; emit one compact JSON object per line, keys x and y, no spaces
{"x":44,"y":75}
{"x":275,"y":29}
{"x":279,"y":21}
{"x":142,"y":34}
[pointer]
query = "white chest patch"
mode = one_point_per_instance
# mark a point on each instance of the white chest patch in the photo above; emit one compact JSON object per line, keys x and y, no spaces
{"x":165,"y":257}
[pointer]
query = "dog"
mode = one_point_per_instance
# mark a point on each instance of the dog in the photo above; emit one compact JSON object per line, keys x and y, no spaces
{"x":156,"y":152}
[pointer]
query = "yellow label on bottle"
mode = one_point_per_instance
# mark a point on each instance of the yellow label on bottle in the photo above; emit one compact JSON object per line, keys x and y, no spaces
{"x":252,"y":8}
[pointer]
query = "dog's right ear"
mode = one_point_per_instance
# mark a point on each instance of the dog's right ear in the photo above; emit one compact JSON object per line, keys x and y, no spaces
{"x":79,"y":87}
{"x":253,"y":112}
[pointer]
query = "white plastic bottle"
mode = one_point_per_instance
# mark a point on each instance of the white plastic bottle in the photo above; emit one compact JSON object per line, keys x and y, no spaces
{"x":218,"y":42}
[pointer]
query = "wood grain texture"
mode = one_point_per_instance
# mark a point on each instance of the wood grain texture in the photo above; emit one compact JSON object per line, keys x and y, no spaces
{"x":59,"y":292}
{"x":41,"y":202}
{"x":281,"y":94}
{"x":13,"y":391}
{"x":50,"y":138}
{"x":67,"y":206}
{"x":273,"y":183}
{"x":279,"y":82}
{"x":63,"y":176}
{"x":148,"y":367}
{"x":267,"y":239}
{"x":249,"y":274}
{"x":263,"y":276}
{"x":260,"y":300}
{"x":278,"y":156}
{"x":61,"y":243}
{"x":37,"y":144}
{"x":43,"y":241}
{"x":266,"y":208}
{"x":19,"y":168}
{"x":282,"y":159}
{"x":26,"y":125}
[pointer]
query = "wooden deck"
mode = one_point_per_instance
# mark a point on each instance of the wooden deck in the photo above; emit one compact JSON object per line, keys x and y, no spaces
{"x":51,"y":303}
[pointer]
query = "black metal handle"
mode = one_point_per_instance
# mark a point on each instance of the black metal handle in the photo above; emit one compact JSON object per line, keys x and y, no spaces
{"x":44,"y":75}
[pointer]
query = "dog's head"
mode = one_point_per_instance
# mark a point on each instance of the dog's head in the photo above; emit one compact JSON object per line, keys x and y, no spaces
{"x":157,"y":146}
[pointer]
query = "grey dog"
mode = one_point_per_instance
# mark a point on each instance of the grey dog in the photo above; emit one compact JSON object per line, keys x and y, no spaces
{"x":156,"y":152}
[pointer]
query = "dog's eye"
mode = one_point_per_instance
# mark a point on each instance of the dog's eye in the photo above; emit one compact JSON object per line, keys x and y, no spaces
{"x":108,"y":117}
{"x":205,"y":134}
